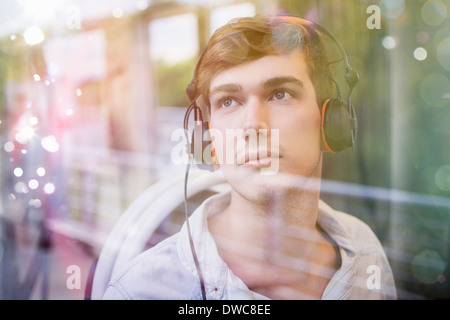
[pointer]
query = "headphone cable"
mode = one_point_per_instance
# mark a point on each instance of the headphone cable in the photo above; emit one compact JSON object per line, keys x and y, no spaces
{"x":191,"y":242}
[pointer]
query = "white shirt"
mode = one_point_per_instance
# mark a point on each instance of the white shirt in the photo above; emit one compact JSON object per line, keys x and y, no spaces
{"x":167,"y":270}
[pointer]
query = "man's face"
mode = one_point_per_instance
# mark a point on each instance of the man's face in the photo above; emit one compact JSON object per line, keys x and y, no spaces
{"x":272,"y":96}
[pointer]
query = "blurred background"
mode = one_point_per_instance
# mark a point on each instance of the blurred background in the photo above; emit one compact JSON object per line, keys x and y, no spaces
{"x":91,"y":91}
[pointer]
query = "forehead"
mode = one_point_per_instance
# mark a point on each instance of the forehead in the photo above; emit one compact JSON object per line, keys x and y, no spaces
{"x":262,"y":69}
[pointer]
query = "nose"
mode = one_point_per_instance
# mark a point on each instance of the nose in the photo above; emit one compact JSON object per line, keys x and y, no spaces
{"x":257,"y":115}
{"x":256,"y":123}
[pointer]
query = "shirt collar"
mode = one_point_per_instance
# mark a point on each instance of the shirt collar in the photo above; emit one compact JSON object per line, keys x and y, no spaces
{"x":343,"y":280}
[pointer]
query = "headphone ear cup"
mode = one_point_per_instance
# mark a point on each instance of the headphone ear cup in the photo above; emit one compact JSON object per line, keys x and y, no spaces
{"x":337,"y":125}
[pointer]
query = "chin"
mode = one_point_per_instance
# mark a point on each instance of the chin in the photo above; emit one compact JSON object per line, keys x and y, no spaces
{"x":255,"y":192}
{"x":251,"y":185}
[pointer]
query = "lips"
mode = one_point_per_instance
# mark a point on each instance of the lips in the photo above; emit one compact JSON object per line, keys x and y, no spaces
{"x":259,"y":159}
{"x":264,"y":163}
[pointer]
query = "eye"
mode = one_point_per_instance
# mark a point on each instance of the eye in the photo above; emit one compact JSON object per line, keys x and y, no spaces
{"x":281,"y":95}
{"x":227,"y":103}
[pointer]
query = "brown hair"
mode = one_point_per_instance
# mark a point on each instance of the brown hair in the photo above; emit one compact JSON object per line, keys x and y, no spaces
{"x":248,"y":39}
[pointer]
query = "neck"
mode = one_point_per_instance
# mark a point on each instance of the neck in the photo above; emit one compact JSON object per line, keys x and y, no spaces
{"x":258,"y":239}
{"x":270,"y":220}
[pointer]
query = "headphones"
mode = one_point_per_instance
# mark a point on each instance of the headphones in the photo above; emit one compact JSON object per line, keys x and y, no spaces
{"x":338,"y":128}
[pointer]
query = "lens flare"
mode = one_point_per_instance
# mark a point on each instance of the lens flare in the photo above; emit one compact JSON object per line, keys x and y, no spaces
{"x":50,"y":144}
{"x":33,"y":35}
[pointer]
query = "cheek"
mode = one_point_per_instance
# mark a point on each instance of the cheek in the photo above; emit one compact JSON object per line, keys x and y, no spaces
{"x":305,"y":127}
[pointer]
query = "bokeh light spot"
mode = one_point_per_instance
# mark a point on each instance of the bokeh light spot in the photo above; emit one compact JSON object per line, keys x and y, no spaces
{"x":21,"y":187}
{"x":392,"y":9}
{"x":49,"y":188}
{"x":443,"y":54}
{"x":24,"y":134}
{"x":18,"y":172}
{"x":33,"y":35}
{"x":33,"y":184}
{"x":50,"y":144}
{"x":433,"y":88}
{"x":422,"y":37}
{"x":117,"y":13}
{"x":35,"y":203}
{"x":441,"y":35}
{"x":33,"y":121}
{"x":8,"y":146}
{"x":442,"y":178}
{"x":389,"y":42}
{"x":428,"y":266}
{"x":420,"y":54}
{"x":142,"y":4}
{"x":40,"y":172}
{"x":434,"y":12}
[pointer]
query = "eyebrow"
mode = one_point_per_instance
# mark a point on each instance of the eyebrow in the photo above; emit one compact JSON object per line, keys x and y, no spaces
{"x":277,"y":81}
{"x":229,"y":87}
{"x":270,"y":83}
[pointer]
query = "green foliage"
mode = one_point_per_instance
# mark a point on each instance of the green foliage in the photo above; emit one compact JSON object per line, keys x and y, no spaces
{"x":172,"y":81}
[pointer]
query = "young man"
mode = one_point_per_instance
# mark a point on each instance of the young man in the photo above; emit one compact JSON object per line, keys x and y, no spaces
{"x":271,"y":236}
